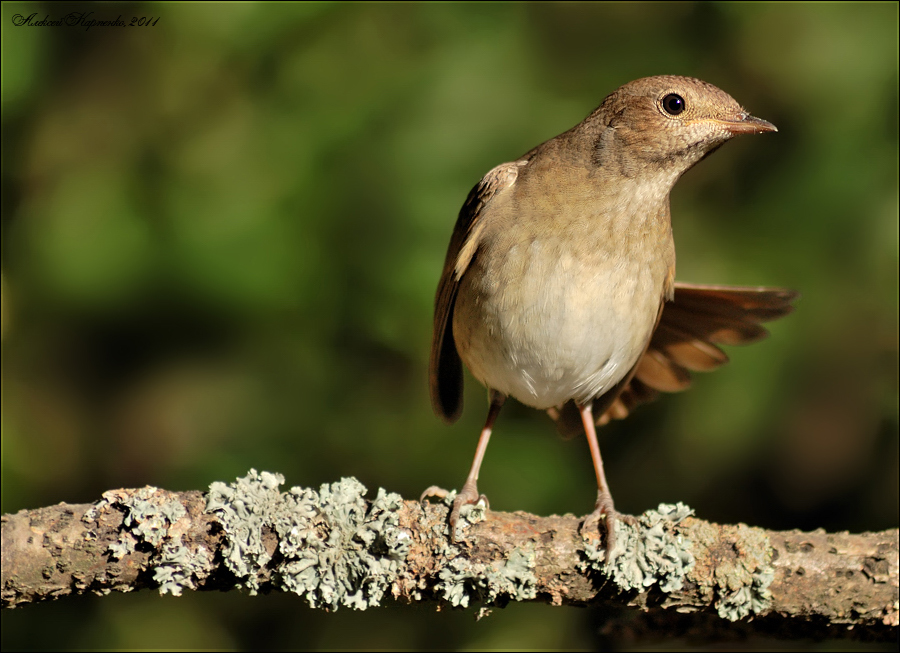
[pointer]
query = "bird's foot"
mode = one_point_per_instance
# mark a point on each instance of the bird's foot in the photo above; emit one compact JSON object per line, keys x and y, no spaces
{"x":605,"y":508}
{"x":438,"y":493}
{"x":468,"y":496}
{"x":467,"y":505}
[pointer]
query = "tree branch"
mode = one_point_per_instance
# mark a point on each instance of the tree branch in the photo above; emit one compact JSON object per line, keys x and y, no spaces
{"x":334,"y":548}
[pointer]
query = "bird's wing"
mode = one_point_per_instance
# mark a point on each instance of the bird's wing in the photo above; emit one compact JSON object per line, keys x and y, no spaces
{"x":445,"y":368}
{"x":685,"y":340}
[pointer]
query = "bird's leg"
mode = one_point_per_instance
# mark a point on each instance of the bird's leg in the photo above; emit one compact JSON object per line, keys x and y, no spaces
{"x":469,"y":493}
{"x":604,"y":505}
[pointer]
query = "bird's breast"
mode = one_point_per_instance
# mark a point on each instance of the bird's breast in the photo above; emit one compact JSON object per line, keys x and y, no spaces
{"x":550,"y":317}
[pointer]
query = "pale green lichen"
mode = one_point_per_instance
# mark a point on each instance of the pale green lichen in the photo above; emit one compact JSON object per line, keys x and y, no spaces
{"x":648,"y":553}
{"x":179,"y":568}
{"x":244,"y":509}
{"x":742,"y":584}
{"x":749,"y":599}
{"x":149,"y":515}
{"x":472,"y":513}
{"x":462,"y":581}
{"x":122,"y":547}
{"x":338,"y":550}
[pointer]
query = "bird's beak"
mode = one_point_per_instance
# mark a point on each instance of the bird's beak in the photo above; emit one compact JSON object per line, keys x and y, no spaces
{"x":748,"y":124}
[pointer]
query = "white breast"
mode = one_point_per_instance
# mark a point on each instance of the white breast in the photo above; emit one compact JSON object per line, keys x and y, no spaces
{"x":558,"y":329}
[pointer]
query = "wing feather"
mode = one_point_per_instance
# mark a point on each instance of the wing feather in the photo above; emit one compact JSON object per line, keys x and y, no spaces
{"x":445,"y":373}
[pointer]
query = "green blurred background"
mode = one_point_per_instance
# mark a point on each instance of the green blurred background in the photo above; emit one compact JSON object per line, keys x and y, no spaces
{"x":221,"y":237}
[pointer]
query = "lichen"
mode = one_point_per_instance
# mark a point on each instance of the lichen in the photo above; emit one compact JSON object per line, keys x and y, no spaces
{"x":149,"y":517}
{"x":647,"y":553}
{"x":178,"y":568}
{"x":472,"y":513}
{"x":338,"y":550}
{"x":122,"y":547}
{"x":749,"y":599}
{"x":742,"y":585}
{"x":463,"y":581}
{"x":244,"y":508}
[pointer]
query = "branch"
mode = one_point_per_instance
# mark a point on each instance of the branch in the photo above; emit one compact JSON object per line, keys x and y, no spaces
{"x":334,"y":548}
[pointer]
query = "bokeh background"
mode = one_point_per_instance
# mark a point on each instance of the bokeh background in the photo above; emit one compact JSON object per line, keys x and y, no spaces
{"x":221,"y":237}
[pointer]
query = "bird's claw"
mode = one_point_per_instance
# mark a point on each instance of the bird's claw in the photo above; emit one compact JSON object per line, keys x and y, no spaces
{"x":436,"y":492}
{"x":468,"y":496}
{"x":591,"y":524}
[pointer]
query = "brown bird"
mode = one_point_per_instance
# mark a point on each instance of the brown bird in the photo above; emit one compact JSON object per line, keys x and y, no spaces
{"x":559,"y":284}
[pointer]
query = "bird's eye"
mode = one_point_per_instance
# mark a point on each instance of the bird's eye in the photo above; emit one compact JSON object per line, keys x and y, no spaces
{"x":673,"y":104}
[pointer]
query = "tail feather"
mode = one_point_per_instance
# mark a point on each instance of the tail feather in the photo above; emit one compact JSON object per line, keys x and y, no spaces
{"x":690,"y":327}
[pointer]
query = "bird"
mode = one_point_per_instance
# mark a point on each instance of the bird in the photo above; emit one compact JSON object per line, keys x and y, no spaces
{"x":558,"y":288}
